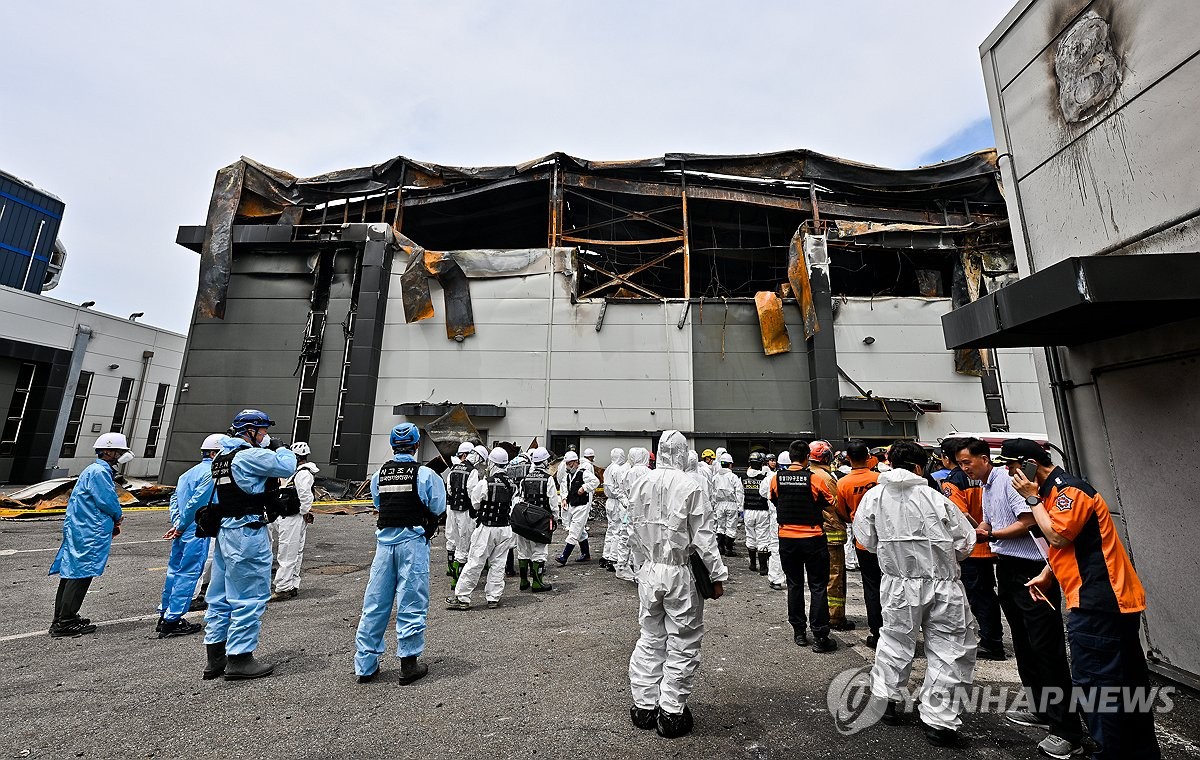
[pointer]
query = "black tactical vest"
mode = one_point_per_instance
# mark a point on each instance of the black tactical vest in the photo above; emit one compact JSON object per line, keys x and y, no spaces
{"x":518,"y":469}
{"x":754,"y":499}
{"x":399,"y":504}
{"x":796,"y":504}
{"x":533,"y":488}
{"x":232,"y":501}
{"x":497,"y":503}
{"x":459,"y":500}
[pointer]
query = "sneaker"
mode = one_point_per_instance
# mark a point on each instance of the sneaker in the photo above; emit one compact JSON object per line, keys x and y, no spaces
{"x":995,"y":655}
{"x":493,"y":604}
{"x":1022,"y":717}
{"x":71,"y":630}
{"x":824,"y":644}
{"x":179,"y":627}
{"x":454,"y":603}
{"x":282,"y":596}
{"x":369,"y":677}
{"x":778,"y":587}
{"x":198,"y":605}
{"x":1059,"y":748}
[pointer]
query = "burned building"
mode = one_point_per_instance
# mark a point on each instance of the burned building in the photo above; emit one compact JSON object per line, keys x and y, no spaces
{"x":741,"y":299}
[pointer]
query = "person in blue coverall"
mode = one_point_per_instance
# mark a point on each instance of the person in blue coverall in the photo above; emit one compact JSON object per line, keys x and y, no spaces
{"x":188,"y":551}
{"x":93,"y":518}
{"x":243,"y":475}
{"x":400,"y":570}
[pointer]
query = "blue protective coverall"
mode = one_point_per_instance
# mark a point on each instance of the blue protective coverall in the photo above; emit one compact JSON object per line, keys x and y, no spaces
{"x":241,"y":571}
{"x":399,"y":577}
{"x":188,"y":552}
{"x":92,"y":511}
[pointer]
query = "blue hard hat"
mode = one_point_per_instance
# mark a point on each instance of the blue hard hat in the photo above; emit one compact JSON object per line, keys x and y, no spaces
{"x":251,"y":418}
{"x":405,"y":434}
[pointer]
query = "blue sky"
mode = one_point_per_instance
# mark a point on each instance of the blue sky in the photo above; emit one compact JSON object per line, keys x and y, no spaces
{"x":975,"y":136}
{"x":127,"y":110}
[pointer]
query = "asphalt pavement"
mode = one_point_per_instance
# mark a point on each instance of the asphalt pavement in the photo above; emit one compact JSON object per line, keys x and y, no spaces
{"x":542,"y":676}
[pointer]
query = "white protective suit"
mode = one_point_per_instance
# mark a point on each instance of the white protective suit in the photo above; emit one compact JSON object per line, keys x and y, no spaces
{"x":639,"y":467}
{"x":758,"y":521}
{"x":489,"y":546}
{"x":775,"y":574}
{"x":920,"y":537}
{"x":669,"y":522}
{"x":459,"y":523}
{"x":728,"y":498}
{"x":290,"y":531}
{"x":576,"y":517}
{"x":702,"y":474}
{"x":615,"y":502}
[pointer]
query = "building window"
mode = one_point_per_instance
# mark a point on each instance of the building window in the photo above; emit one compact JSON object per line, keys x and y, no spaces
{"x":160,"y":408}
{"x":118,"y":419}
{"x":75,"y":421}
{"x":17,"y":408}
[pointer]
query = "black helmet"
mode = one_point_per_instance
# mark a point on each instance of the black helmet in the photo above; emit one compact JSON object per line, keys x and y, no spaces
{"x":757,"y":457}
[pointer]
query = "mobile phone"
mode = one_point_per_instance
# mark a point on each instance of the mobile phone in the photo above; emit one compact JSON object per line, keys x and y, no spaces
{"x":1029,"y":469}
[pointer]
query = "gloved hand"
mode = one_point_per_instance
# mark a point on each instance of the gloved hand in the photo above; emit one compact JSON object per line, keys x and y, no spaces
{"x":309,"y":518}
{"x":276,"y":445}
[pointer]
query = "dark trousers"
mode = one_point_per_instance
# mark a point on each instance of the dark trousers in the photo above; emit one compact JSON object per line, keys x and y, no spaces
{"x":1039,"y":644}
{"x":69,"y":598}
{"x":1107,"y":652}
{"x":979,"y":578}
{"x":801,"y":557}
{"x":868,"y":566}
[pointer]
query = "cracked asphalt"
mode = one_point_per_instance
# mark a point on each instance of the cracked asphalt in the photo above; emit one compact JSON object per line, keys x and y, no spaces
{"x":542,"y":676}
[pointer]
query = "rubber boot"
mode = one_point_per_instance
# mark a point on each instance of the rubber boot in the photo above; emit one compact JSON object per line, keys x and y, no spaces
{"x":509,"y":569}
{"x":566,"y":553}
{"x":721,"y":545}
{"x":763,"y":559}
{"x":524,"y":563}
{"x":753,"y":560}
{"x":411,"y":670}
{"x":243,"y":667}
{"x":456,"y":567}
{"x":450,"y":564}
{"x":731,"y":546}
{"x":539,"y":584}
{"x":216,"y":660}
{"x":585,"y":552}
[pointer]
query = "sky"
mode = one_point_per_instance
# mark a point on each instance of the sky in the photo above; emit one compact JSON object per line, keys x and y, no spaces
{"x":127,"y":110}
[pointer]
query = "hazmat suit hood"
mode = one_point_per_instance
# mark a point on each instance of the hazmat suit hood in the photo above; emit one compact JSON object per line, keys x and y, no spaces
{"x":693,"y":461}
{"x":672,"y":451}
{"x":617,"y":456}
{"x":900,"y":478}
{"x":638,"y":455}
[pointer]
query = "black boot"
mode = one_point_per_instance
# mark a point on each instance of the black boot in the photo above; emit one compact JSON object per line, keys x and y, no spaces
{"x":411,"y":670}
{"x":538,"y":585}
{"x":449,"y":563}
{"x":730,"y":543}
{"x":753,"y":560}
{"x":178,"y":627}
{"x":216,"y":660}
{"x":673,"y":725}
{"x":509,"y":569}
{"x":763,"y":559}
{"x":243,"y":667}
{"x":644,"y":718}
{"x":524,"y":563}
{"x":585,"y":552}
{"x":566,"y":552}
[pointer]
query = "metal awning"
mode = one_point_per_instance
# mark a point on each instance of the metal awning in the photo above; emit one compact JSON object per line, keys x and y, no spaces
{"x":1081,"y":300}
{"x":422,"y":409}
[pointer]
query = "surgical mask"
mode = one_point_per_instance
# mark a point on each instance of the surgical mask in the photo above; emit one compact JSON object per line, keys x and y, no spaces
{"x":265,"y":442}
{"x":125,"y":458}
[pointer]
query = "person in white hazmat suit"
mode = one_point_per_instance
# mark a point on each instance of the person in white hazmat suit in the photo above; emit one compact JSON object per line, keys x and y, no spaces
{"x":576,"y":483}
{"x":728,"y":499}
{"x":669,"y":522}
{"x":920,"y":537}
{"x":639,"y":467}
{"x":756,"y":513}
{"x":289,"y":531}
{"x":492,"y":500}
{"x":615,"y":506}
{"x":460,"y":482}
{"x":536,"y":488}
{"x":775,"y":575}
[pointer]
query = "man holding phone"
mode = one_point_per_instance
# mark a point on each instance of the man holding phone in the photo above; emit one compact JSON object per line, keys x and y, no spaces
{"x":1039,"y":642}
{"x":1102,"y":590}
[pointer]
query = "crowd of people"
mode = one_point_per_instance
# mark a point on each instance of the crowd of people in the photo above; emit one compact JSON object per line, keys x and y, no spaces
{"x":945,"y":546}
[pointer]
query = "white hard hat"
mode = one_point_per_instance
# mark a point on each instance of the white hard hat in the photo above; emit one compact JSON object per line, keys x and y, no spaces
{"x":498,"y":456}
{"x":465,"y":447}
{"x":212,"y":443}
{"x":482,"y":452}
{"x":721,"y":450}
{"x":301,"y":449}
{"x":726,"y":458}
{"x":111,"y":441}
{"x":539,"y":455}
{"x":571,"y":456}
{"x":589,"y":453}
{"x":784,"y":458}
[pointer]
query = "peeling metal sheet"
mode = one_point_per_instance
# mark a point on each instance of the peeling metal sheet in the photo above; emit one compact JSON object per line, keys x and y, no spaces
{"x":798,"y":278}
{"x":486,"y":263}
{"x":771,"y":323}
{"x":216,"y":254}
{"x":451,"y":429}
{"x":414,"y":289}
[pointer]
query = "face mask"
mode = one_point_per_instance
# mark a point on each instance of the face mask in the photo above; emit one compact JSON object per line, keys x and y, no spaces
{"x":125,"y":458}
{"x":265,"y":442}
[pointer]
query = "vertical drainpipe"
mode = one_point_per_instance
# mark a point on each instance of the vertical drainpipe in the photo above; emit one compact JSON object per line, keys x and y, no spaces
{"x":147,"y":357}
{"x":83,"y":334}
